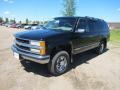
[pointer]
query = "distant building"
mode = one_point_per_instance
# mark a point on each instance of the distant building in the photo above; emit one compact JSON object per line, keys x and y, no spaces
{"x":114,"y":25}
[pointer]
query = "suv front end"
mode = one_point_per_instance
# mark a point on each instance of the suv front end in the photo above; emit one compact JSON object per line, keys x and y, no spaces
{"x":30,"y":50}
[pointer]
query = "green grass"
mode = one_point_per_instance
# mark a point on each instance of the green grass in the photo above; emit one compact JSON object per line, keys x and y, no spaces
{"x":115,"y":37}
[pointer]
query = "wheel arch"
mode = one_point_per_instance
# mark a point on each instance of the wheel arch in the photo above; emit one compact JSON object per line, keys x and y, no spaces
{"x":65,"y":47}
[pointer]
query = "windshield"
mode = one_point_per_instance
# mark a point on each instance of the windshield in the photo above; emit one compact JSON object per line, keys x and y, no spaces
{"x":66,"y":24}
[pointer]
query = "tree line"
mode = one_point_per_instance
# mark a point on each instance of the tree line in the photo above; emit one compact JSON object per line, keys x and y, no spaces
{"x":26,"y":21}
{"x":6,"y":20}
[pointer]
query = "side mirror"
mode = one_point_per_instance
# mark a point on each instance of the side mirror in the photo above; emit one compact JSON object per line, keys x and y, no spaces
{"x":80,"y":31}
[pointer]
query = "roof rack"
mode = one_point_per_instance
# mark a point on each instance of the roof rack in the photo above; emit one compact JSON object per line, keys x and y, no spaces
{"x":92,"y":18}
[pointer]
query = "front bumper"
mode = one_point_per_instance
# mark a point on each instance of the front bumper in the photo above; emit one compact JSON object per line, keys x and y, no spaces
{"x":32,"y":57}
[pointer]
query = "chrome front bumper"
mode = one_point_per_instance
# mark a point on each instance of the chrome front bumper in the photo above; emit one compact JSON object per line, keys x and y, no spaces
{"x":32,"y":57}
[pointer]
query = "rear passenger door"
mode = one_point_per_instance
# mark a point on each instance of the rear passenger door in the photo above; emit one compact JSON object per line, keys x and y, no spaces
{"x":81,"y":40}
{"x":88,"y":39}
{"x":94,"y":32}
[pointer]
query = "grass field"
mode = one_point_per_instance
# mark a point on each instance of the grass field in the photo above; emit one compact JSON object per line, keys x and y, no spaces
{"x":115,"y":37}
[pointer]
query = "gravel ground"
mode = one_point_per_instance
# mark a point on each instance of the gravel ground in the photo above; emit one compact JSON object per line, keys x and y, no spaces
{"x":88,"y":72}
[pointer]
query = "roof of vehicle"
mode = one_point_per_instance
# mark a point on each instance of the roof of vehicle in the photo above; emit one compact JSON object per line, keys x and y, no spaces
{"x":86,"y":17}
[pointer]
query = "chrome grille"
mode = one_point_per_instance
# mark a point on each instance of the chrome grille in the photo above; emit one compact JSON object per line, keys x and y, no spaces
{"x":24,"y":45}
{"x":22,"y":41}
{"x":20,"y":44}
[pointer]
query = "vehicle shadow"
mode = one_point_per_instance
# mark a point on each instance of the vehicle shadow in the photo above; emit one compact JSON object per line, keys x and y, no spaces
{"x":43,"y":71}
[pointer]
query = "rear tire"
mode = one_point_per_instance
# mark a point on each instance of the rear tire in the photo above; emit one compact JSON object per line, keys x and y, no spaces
{"x":101,"y":48}
{"x":59,"y":63}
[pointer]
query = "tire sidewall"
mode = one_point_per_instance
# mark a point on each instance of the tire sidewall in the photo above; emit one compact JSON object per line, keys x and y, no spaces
{"x":52,"y":67}
{"x":99,"y":48}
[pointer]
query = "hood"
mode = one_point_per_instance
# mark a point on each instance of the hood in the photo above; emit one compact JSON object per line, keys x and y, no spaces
{"x":40,"y":34}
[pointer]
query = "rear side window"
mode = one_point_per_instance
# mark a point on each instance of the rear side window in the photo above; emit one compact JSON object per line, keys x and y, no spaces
{"x":97,"y":26}
{"x":102,"y":26}
{"x":82,"y":24}
{"x":92,"y":25}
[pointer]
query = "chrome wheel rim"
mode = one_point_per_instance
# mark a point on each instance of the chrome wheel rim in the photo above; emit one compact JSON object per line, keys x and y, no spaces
{"x":61,"y":64}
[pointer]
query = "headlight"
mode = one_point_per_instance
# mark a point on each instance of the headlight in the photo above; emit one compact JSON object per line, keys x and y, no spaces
{"x":42,"y":45}
{"x":35,"y":43}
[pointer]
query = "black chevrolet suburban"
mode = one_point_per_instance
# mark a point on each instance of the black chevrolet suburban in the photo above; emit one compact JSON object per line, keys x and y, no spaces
{"x":59,"y":39}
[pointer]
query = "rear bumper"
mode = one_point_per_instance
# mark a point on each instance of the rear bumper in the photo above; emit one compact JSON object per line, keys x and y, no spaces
{"x":32,"y":57}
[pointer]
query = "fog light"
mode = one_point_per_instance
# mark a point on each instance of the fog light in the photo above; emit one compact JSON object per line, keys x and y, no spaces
{"x":35,"y":50}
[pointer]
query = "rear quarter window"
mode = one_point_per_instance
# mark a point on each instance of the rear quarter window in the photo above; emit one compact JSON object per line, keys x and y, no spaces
{"x":103,"y":26}
{"x":97,"y":26}
{"x":92,"y":26}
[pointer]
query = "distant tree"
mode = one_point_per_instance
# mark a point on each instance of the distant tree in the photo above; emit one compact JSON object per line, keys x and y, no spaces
{"x":12,"y":20}
{"x":34,"y":22}
{"x":1,"y":19}
{"x":69,"y":8}
{"x":40,"y":22}
{"x":27,"y":21}
{"x":20,"y":22}
{"x":45,"y":22}
{"x":37,"y":22}
{"x":6,"y":20}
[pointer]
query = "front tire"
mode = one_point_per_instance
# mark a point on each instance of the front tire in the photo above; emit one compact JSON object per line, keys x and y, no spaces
{"x":59,"y":63}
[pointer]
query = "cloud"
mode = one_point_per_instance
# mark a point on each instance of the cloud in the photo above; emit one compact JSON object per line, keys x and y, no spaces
{"x":9,"y":1}
{"x":6,"y":12}
{"x":5,"y":0}
{"x":118,"y":9}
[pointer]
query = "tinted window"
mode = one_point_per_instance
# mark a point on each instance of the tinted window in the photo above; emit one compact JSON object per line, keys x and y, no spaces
{"x":82,"y":24}
{"x":92,"y":25}
{"x":102,"y":26}
{"x":105,"y":26}
{"x":97,"y":26}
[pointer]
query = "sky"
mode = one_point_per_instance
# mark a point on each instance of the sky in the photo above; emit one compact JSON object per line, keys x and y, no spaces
{"x":42,"y":10}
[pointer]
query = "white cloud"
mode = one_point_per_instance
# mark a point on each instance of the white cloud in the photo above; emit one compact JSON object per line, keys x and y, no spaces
{"x":9,"y":1}
{"x":6,"y":12}
{"x":5,"y":0}
{"x":118,"y":9}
